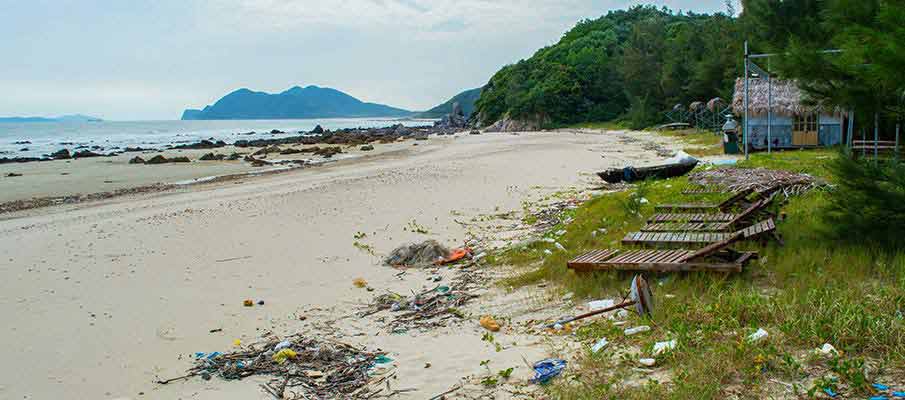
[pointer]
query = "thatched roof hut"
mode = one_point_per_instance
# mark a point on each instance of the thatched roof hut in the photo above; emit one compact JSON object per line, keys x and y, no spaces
{"x":787,"y":98}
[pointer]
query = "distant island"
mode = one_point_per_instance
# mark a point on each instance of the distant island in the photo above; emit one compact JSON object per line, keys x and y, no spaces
{"x":62,"y":118}
{"x":465,"y":99}
{"x":294,"y":103}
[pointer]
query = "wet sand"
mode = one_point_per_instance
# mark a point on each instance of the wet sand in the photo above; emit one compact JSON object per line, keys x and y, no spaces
{"x":101,"y":299}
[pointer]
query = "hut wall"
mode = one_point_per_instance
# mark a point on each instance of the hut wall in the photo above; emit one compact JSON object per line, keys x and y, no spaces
{"x":829,"y":132}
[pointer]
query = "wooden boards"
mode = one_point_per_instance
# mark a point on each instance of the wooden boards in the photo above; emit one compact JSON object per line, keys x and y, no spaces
{"x":651,"y":260}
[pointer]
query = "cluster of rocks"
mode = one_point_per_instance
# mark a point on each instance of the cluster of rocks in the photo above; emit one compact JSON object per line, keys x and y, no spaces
{"x":159,"y":159}
{"x":455,"y":120}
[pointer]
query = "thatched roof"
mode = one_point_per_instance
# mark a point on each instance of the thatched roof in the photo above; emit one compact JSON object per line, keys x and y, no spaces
{"x":787,"y":97}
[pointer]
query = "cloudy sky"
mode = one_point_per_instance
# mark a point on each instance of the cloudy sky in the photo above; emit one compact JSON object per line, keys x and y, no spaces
{"x":133,"y":59}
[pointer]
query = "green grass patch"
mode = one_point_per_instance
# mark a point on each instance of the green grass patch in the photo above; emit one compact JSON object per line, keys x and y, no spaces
{"x":806,"y":292}
{"x":699,"y":143}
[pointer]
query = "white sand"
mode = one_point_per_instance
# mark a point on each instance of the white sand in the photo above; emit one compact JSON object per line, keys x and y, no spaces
{"x":102,"y":299}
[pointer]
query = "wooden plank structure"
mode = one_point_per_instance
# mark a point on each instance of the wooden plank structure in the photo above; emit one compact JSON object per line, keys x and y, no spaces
{"x":711,"y":217}
{"x":695,"y":238}
{"x":707,"y":207}
{"x":687,"y":227}
{"x":700,"y":189}
{"x":716,"y":257}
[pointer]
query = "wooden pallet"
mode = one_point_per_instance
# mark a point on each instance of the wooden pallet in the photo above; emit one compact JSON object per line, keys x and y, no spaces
{"x":699,"y":189}
{"x":687,"y":227}
{"x":692,"y":217}
{"x":694,"y":238}
{"x":706,"y":207}
{"x":653,"y":260}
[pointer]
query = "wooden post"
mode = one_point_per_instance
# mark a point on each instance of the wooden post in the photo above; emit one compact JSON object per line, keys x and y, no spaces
{"x":876,"y":134}
{"x":897,"y":142}
{"x":745,"y":133}
{"x":769,"y":113}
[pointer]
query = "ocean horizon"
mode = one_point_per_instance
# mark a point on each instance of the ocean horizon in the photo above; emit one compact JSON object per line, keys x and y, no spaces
{"x":34,"y":139}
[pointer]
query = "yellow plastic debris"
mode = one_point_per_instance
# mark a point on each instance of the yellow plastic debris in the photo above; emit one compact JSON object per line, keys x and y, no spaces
{"x":490,"y":324}
{"x":237,"y":342}
{"x":359,"y":282}
{"x":248,"y":303}
{"x":283,"y":355}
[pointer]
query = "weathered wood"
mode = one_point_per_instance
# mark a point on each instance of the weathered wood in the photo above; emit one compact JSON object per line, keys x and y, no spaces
{"x":707,"y":207}
{"x":629,"y":174}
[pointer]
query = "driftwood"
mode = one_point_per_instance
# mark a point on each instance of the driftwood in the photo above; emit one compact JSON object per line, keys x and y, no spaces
{"x":632,"y":174}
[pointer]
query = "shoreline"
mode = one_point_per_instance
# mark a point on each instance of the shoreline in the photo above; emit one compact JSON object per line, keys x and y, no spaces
{"x":128,"y":290}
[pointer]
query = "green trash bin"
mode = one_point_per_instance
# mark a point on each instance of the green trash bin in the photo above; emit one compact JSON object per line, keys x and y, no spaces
{"x":730,"y":136}
{"x":730,"y":143}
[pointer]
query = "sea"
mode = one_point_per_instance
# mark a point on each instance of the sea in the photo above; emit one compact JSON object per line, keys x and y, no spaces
{"x":35,"y":139}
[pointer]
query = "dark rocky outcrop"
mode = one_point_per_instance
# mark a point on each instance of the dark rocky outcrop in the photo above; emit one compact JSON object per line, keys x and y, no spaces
{"x":318,"y":130}
{"x":367,"y":147}
{"x":212,"y":157}
{"x":86,"y":154}
{"x":180,"y":159}
{"x":204,"y":144}
{"x":158,"y":159}
{"x":61,"y":155}
{"x":137,"y":160}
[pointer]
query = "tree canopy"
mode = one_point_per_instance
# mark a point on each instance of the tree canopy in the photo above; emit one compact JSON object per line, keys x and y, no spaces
{"x":630,"y":63}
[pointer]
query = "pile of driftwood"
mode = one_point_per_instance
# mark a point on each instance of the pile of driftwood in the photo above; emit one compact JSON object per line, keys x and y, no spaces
{"x":431,"y":308}
{"x":759,"y":179}
{"x":300,"y":367}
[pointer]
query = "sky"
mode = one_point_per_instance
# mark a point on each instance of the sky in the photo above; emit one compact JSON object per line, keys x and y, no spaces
{"x":149,"y":60}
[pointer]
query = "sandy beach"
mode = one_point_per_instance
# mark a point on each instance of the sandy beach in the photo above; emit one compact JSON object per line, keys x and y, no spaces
{"x":104,"y":298}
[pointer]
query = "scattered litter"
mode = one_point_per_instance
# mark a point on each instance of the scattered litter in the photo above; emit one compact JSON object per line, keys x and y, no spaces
{"x":237,"y":342}
{"x":830,"y":392}
{"x":643,"y":200}
{"x":455,"y":255}
{"x":248,"y":303}
{"x":878,"y":398}
{"x":637,"y":329}
{"x":560,"y":232}
{"x":827,"y":350}
{"x":756,"y":336}
{"x":284,"y":355}
{"x":260,"y":302}
{"x":282,"y":345}
{"x":549,"y":240}
{"x":490,"y":324}
{"x":359,"y":282}
{"x":418,"y":254}
{"x":730,"y":161}
{"x":898,"y":394}
{"x":307,"y":368}
{"x":599,"y":345}
{"x":647,"y":362}
{"x":663,"y":347}
{"x":430,"y":308}
{"x":548,"y":252}
{"x":600,"y":304}
{"x":383,"y":359}
{"x":559,"y":246}
{"x":545,"y":370}
{"x":622,"y":314}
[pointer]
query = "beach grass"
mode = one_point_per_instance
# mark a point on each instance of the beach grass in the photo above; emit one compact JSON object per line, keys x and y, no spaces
{"x":804,"y":293}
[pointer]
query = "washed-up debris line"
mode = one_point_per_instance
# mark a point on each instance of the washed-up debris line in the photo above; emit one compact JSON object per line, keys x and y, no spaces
{"x":431,"y":308}
{"x":760,"y":179}
{"x":552,"y":214}
{"x":300,"y":367}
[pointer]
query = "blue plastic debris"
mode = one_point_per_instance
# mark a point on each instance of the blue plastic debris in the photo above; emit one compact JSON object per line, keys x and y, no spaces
{"x":209,"y":356}
{"x":381,"y":359}
{"x":830,"y":392}
{"x":898,"y":394}
{"x":878,"y":398}
{"x":880,"y":386}
{"x":544,"y":370}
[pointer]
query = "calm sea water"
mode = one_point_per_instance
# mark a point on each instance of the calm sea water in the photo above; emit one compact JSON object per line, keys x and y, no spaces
{"x":47,"y":137}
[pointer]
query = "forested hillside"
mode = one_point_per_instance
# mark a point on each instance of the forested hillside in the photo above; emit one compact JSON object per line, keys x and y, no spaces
{"x":632,"y":64}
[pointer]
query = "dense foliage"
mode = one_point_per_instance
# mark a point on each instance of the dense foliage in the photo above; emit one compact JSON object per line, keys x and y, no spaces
{"x":634,"y":63}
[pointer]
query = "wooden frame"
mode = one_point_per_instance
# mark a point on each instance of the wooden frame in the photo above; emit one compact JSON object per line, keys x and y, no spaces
{"x":705,"y":207}
{"x":695,"y":238}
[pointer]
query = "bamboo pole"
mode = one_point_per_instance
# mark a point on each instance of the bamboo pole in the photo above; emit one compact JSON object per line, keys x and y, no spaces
{"x":769,"y":113}
{"x":745,"y":133}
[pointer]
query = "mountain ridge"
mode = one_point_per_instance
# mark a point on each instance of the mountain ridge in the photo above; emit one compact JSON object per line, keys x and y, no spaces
{"x":294,"y":103}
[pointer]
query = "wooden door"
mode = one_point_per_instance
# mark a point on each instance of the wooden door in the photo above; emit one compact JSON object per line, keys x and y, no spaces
{"x":804,"y":130}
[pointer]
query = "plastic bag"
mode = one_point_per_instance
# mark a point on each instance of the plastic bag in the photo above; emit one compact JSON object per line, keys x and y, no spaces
{"x":545,"y":370}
